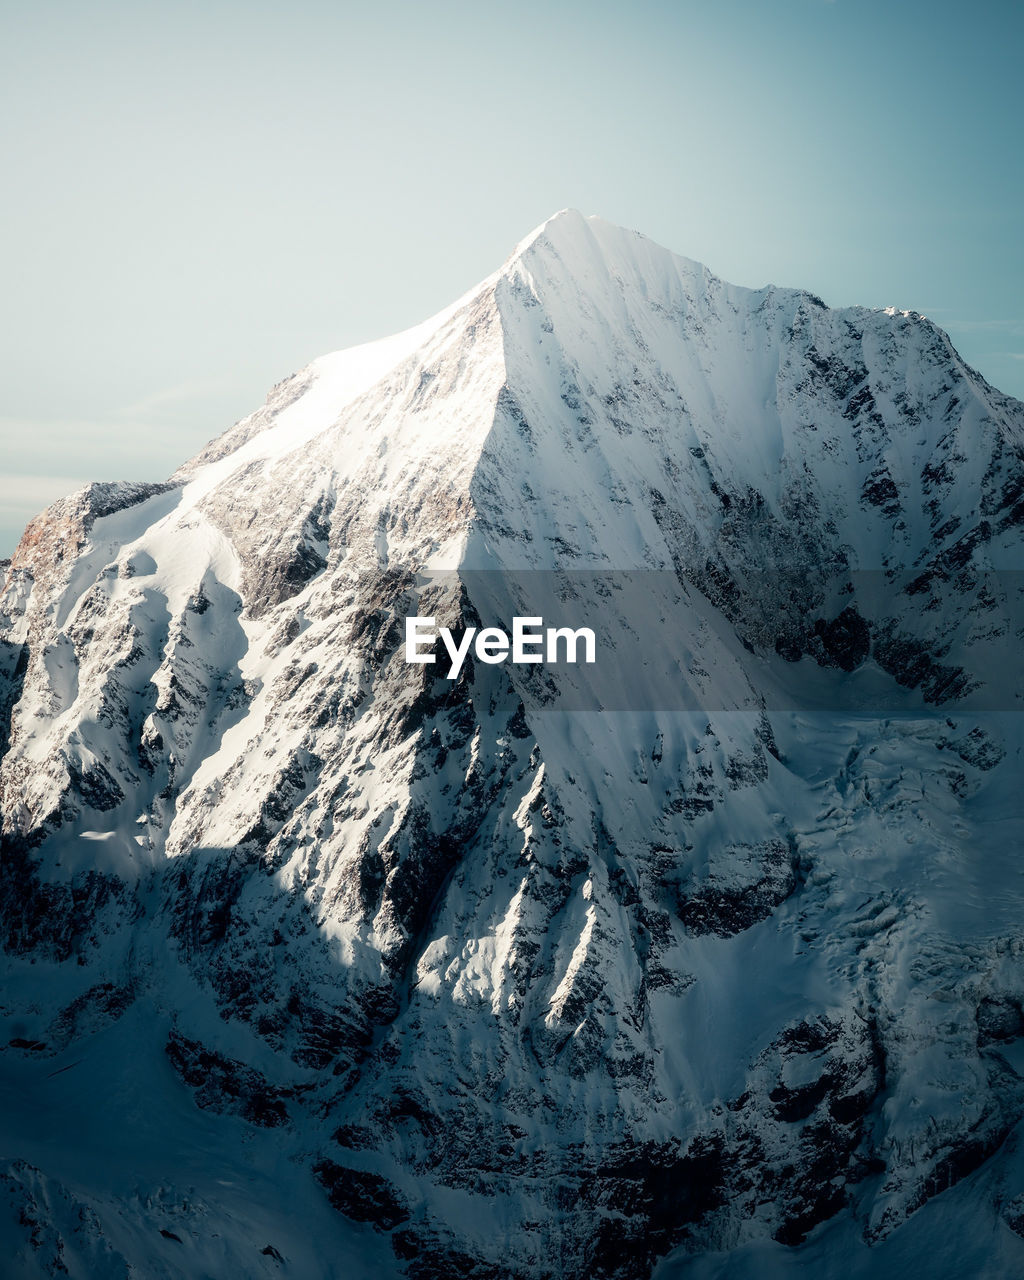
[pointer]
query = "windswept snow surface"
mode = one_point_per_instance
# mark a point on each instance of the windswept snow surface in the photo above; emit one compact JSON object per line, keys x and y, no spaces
{"x":708,"y":958}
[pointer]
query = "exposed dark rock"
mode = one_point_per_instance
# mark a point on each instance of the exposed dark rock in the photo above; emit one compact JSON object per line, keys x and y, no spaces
{"x":1000,"y":1018}
{"x":104,"y":1002}
{"x":846,"y":640}
{"x":13,"y":665}
{"x":224,"y":1085}
{"x":910,"y":663}
{"x":361,"y":1195}
{"x":753,"y":881}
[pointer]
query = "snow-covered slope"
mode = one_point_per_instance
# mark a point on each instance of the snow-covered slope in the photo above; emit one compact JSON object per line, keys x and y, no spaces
{"x":537,"y":974}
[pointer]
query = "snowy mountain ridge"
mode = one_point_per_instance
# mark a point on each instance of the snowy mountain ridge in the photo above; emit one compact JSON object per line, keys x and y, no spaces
{"x":529,"y":989}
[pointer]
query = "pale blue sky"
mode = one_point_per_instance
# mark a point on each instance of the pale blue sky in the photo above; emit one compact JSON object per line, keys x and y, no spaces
{"x":199,"y":198}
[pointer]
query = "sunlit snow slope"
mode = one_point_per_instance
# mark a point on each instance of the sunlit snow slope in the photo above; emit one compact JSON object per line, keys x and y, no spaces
{"x":710,"y":958}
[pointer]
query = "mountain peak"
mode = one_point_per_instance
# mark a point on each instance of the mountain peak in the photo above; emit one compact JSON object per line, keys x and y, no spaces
{"x":565,"y":222}
{"x":520,"y":983}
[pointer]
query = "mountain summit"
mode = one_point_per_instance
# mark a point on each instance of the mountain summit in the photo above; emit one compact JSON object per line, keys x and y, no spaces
{"x":710,"y":956}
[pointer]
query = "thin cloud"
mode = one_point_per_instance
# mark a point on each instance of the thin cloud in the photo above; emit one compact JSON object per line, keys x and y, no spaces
{"x":1014,"y":328}
{"x":173,"y":397}
{"x":130,"y":448}
{"x":36,"y":491}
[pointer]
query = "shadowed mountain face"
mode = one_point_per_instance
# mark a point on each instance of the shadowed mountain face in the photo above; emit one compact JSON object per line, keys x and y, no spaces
{"x":540,"y":972}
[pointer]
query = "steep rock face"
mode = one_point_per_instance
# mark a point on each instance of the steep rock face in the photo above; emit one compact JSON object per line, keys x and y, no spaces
{"x":546,"y":974}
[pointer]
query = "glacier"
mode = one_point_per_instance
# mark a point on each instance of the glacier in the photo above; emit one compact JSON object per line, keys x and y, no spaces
{"x":705,"y":962}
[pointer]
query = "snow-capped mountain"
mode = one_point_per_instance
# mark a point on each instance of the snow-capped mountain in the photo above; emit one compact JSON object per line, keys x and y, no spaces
{"x":712,"y":953}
